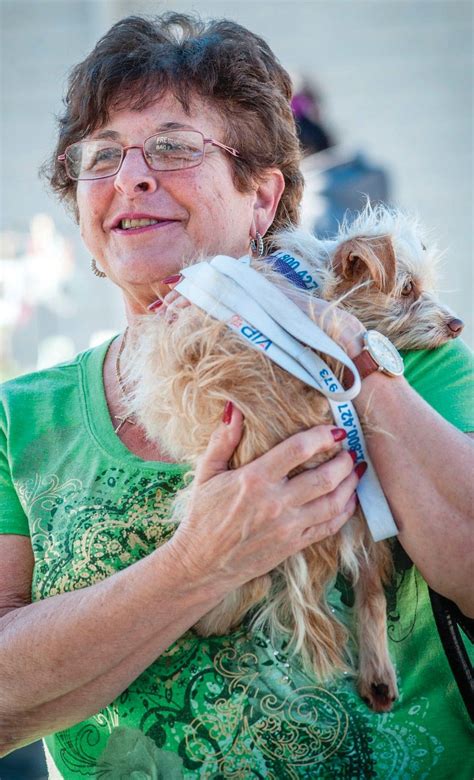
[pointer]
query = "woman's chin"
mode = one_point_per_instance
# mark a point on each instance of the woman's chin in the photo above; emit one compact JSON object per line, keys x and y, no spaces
{"x":144,"y":268}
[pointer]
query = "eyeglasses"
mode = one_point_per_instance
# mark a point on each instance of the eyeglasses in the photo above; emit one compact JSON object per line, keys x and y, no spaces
{"x":170,"y":151}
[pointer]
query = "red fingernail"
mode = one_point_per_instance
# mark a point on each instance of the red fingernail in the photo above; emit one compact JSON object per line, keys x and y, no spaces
{"x":228,"y":409}
{"x":360,"y":469}
{"x":172,"y":279}
{"x":338,"y":434}
{"x":353,"y":455}
{"x":155,"y":305}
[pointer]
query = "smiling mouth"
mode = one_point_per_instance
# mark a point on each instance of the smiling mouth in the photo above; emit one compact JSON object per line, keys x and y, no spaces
{"x":130,"y":224}
{"x":133,"y":225}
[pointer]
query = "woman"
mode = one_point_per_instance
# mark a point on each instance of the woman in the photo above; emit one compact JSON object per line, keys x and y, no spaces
{"x":98,"y":597}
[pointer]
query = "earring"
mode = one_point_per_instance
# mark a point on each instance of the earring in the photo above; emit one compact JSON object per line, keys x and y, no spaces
{"x":257,"y":247}
{"x":96,"y":270}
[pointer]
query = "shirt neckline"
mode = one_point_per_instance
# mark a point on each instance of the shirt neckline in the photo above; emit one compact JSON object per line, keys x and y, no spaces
{"x":97,"y":414}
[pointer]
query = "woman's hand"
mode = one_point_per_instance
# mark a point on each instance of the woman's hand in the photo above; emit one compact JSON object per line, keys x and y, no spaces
{"x":166,"y":304}
{"x":244,"y":522}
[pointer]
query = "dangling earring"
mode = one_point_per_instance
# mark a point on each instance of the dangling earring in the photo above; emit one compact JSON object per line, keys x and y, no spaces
{"x":257,"y":247}
{"x":96,"y":270}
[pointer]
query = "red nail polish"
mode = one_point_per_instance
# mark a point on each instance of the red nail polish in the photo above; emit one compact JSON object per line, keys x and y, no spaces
{"x":338,"y":434}
{"x":155,"y":305}
{"x":360,"y":469}
{"x":172,"y":279}
{"x":228,"y":409}
{"x":353,"y":455}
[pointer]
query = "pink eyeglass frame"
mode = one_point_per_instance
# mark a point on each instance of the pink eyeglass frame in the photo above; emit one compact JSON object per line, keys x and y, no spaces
{"x":62,"y":157}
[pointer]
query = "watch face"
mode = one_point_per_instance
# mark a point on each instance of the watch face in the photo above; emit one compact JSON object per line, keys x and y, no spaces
{"x":384,"y":353}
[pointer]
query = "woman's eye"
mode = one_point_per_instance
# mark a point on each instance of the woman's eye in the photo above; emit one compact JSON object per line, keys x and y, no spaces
{"x":165,"y":146}
{"x":170,"y":146}
{"x":407,"y":288}
{"x":103,"y":158}
{"x":106,"y":154}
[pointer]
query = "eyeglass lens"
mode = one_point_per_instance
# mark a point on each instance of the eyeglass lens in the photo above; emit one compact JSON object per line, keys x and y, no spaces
{"x":170,"y":151}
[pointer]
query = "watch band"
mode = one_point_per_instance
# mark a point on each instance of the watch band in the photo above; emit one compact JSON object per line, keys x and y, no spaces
{"x":365,"y":365}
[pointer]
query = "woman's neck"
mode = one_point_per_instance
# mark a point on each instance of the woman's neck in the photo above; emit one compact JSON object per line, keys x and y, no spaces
{"x":128,"y":431}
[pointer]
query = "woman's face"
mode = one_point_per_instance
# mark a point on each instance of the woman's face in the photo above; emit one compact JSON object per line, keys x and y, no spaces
{"x":200,"y":211}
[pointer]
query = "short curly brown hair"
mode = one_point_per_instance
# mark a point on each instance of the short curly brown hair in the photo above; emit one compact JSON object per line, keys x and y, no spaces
{"x":140,"y":58}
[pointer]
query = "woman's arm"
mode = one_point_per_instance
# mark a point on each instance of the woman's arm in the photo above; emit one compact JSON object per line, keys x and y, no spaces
{"x":64,"y":658}
{"x":425,"y":466}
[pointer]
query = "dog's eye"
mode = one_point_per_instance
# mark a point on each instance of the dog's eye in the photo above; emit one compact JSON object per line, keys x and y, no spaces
{"x":423,"y":246}
{"x":408,"y":288}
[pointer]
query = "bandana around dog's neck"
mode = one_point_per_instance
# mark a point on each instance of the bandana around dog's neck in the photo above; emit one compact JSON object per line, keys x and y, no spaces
{"x":233,"y":292}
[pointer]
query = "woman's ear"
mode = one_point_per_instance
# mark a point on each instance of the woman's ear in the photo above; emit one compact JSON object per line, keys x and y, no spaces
{"x":269,"y":190}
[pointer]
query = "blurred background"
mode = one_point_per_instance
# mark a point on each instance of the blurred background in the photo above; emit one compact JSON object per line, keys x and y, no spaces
{"x":387,"y":82}
{"x":383,"y":99}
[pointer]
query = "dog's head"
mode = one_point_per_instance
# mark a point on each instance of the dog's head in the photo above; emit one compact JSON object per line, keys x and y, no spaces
{"x":383,"y":270}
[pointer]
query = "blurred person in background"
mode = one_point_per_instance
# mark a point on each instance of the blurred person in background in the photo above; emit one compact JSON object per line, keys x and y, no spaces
{"x":98,"y":595}
{"x":338,"y":180}
{"x":306,"y":105}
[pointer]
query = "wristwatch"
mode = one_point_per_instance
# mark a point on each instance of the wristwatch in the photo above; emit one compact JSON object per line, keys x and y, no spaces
{"x":378,"y":354}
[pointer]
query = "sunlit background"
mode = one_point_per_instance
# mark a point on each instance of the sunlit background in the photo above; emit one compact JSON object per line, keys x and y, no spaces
{"x":395,"y":82}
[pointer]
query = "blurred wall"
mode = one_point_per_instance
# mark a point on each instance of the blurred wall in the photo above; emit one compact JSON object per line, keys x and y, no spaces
{"x":396,"y":77}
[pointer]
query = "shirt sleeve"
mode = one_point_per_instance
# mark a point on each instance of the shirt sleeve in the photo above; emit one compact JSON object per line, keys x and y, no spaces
{"x":444,"y":378}
{"x":12,"y":517}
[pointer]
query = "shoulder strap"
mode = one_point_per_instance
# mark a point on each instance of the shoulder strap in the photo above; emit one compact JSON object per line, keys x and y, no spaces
{"x":449,"y":619}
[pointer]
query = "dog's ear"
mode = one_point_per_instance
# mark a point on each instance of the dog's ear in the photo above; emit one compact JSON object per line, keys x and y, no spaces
{"x":367,"y":257}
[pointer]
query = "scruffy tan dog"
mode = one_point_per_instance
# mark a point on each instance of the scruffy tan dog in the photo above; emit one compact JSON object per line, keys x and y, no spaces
{"x":184,"y":370}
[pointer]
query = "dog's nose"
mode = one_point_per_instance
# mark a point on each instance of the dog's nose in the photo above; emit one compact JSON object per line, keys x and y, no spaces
{"x":455,"y":327}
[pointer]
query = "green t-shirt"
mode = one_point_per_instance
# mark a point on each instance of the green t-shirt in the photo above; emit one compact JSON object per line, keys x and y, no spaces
{"x":219,"y":707}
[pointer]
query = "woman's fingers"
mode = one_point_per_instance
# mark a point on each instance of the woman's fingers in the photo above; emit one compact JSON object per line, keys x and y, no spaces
{"x":173,"y":297}
{"x":296,"y":450}
{"x":246,"y":521}
{"x":165,"y":301}
{"x":221,"y":445}
{"x":316,"y":533}
{"x":319,"y":480}
{"x":330,"y":505}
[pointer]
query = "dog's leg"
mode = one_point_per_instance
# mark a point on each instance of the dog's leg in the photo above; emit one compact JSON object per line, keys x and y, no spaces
{"x":298,"y":609}
{"x":377,"y":682}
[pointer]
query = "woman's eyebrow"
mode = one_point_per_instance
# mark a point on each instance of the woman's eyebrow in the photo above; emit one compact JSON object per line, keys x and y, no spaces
{"x":173,"y":126}
{"x":114,"y":135}
{"x":107,"y":134}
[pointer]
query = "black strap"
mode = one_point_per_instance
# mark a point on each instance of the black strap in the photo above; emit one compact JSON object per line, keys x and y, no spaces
{"x":449,"y":619}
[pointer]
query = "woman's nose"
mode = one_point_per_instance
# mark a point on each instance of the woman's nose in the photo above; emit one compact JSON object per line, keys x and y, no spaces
{"x":134,"y":175}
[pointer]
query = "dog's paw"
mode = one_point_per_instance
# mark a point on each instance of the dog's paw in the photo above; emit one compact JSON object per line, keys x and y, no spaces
{"x":380,"y":692}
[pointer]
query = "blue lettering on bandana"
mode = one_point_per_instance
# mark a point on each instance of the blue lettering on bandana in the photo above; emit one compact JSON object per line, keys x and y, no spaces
{"x":288,"y":266}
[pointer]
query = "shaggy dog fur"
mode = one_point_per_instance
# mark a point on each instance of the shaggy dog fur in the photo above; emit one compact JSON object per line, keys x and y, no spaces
{"x":186,"y":367}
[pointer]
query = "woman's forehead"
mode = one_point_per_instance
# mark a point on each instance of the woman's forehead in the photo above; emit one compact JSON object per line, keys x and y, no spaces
{"x":164,"y":113}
